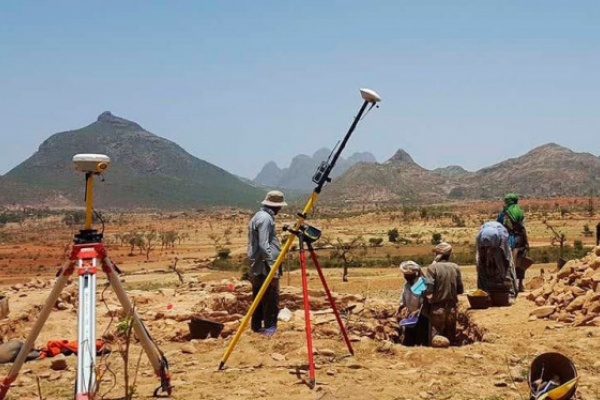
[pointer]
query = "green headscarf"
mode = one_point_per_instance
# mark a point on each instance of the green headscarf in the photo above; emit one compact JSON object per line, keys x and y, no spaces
{"x":510,"y":199}
{"x":512,"y":210}
{"x":515,"y":213}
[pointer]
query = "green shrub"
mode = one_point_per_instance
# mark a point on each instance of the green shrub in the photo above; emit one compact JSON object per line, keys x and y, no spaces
{"x":393,"y":235}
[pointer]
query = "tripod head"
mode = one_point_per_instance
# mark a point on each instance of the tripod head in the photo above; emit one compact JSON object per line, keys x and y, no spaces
{"x":90,"y":164}
{"x":310,"y":234}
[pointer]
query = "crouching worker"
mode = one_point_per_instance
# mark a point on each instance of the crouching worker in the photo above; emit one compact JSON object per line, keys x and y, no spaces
{"x":263,"y":250}
{"x":495,"y":266}
{"x":444,"y":284}
{"x":416,"y":329}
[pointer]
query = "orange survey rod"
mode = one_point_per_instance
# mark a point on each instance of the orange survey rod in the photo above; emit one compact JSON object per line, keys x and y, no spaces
{"x":320,"y":178}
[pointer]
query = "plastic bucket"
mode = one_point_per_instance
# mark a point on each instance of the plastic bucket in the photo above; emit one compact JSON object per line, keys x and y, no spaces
{"x":203,"y":328}
{"x":548,"y":365}
{"x":479,"y":302}
{"x":500,"y":299}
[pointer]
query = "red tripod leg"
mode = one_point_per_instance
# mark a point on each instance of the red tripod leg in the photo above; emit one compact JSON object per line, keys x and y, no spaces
{"x":311,"y":359}
{"x":313,"y":255}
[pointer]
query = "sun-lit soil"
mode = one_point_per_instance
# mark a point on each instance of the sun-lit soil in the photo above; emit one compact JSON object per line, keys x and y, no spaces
{"x":492,"y":369}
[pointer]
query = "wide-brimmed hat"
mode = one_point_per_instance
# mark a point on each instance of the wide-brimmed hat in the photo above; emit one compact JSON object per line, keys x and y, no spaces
{"x":274,"y":198}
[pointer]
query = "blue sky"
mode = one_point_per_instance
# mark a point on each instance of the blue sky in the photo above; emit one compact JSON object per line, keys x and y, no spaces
{"x":239,"y":83}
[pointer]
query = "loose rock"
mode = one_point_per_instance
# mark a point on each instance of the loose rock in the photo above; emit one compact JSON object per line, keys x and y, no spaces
{"x":440,"y":342}
{"x":59,"y":363}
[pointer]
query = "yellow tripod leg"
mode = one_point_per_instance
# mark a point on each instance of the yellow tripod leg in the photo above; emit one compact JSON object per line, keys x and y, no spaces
{"x":89,"y":198}
{"x":307,"y":209}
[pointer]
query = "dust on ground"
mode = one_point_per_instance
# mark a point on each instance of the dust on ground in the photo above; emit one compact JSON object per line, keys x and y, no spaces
{"x":261,"y":368}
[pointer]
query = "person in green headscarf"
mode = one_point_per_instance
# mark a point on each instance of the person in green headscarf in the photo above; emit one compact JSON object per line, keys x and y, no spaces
{"x":512,"y":217}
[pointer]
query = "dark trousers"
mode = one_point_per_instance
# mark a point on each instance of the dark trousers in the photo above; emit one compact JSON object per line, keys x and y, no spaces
{"x":268,"y":308}
{"x":417,"y":335}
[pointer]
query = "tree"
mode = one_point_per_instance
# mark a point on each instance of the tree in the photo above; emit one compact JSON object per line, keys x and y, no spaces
{"x":558,"y":239}
{"x":406,"y":211}
{"x":134,"y":239}
{"x":393,"y":235}
{"x":149,"y":243}
{"x":168,"y":239}
{"x":348,"y":252}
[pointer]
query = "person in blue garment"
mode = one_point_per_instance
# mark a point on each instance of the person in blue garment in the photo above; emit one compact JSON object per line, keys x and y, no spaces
{"x":495,"y":266}
{"x":411,"y":303}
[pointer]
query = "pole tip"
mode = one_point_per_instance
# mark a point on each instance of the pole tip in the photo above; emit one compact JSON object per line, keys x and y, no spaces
{"x":221,"y":365}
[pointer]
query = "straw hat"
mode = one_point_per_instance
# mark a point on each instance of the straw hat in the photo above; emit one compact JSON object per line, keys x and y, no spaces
{"x":274,"y":199}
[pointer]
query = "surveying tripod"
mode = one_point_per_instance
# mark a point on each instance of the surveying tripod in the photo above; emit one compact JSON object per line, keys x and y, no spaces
{"x":308,"y":235}
{"x":320,"y":178}
{"x":87,"y":256}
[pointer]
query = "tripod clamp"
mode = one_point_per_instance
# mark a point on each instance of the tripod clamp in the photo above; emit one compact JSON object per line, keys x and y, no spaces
{"x":306,"y":233}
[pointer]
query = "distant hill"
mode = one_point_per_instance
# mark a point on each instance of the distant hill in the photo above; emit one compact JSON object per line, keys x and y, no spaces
{"x":146,"y":171}
{"x":398,"y":179}
{"x":546,"y":171}
{"x":298,"y":175}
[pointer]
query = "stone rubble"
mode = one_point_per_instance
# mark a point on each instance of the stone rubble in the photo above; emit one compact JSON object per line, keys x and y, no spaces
{"x":572,"y":295}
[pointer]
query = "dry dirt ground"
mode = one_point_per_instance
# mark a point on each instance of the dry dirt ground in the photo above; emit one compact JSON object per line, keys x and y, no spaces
{"x":492,"y":369}
{"x":262,"y":368}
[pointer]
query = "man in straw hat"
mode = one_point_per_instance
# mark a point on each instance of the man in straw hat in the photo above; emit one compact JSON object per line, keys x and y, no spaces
{"x":411,"y":302}
{"x":263,"y":249}
{"x":444,"y":284}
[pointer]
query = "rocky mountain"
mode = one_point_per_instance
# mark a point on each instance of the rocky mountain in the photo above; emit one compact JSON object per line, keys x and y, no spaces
{"x":298,"y":175}
{"x":398,"y":179}
{"x":546,"y":171}
{"x":147,"y":171}
{"x":452,"y":172}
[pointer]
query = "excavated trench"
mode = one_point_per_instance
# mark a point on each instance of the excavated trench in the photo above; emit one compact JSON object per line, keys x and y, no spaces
{"x":362,"y":317}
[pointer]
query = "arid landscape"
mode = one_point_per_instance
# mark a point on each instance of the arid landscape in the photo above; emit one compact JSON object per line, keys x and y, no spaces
{"x":208,"y":248}
{"x":162,"y":127}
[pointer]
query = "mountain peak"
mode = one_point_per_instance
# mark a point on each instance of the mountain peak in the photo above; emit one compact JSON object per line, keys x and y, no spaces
{"x":108,"y":118}
{"x":551,"y":147}
{"x":402,"y":156}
